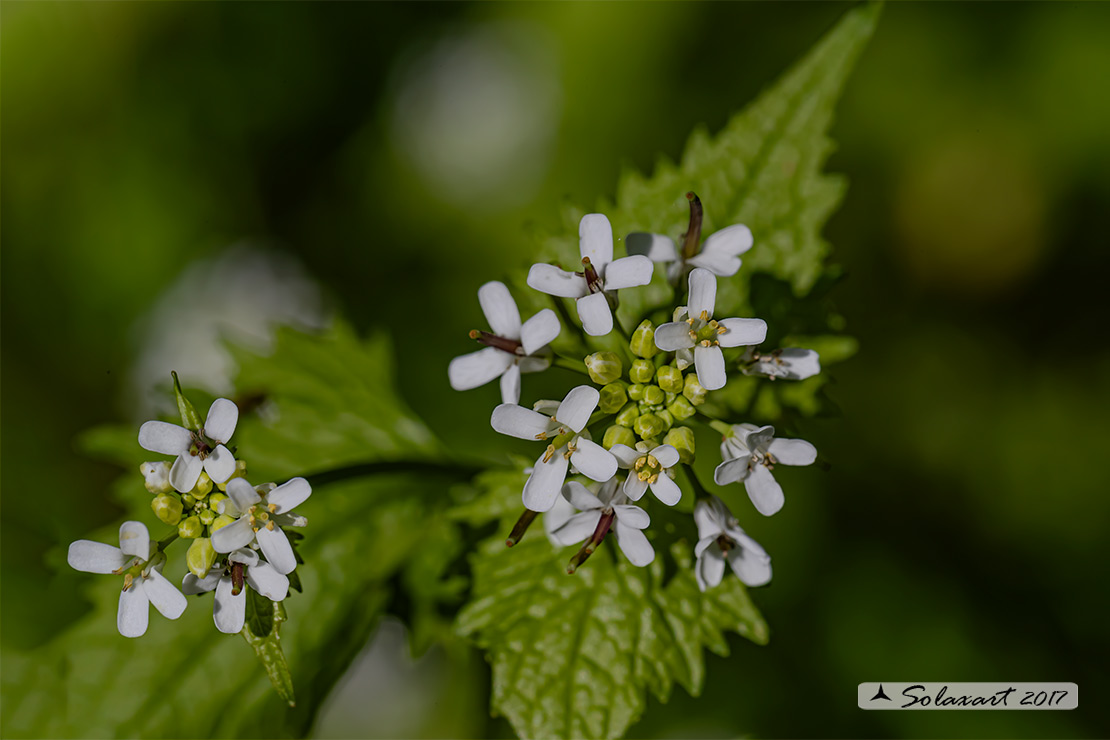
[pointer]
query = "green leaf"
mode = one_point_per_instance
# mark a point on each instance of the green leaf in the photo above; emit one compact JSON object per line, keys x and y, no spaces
{"x":262,"y":632}
{"x":573,"y":656}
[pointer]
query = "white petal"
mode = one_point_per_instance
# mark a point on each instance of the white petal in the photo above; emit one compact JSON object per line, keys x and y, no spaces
{"x":673,"y":336}
{"x":710,"y":568}
{"x":632,"y":516}
{"x":731,"y":471}
{"x":185,"y":472}
{"x":244,"y":555}
{"x":132,"y":617}
{"x":683,"y":358}
{"x":628,"y":272}
{"x":542,"y":488}
{"x":801,"y":363}
{"x":580,"y":496}
{"x":764,"y":490}
{"x":577,"y":528}
{"x":134,"y":539}
{"x":510,"y":385}
{"x":242,"y":494}
{"x":500,"y":309}
{"x":634,"y":488}
{"x":539,"y":331}
{"x":596,"y":317}
{"x":275,"y":546}
{"x":233,"y":536}
{"x":517,"y":421}
{"x":710,"y":364}
{"x":164,"y":595}
{"x":710,"y":516}
{"x":559,"y":515}
{"x":575,"y":410}
{"x":222,"y":418}
{"x":95,"y":557}
{"x":289,"y":495}
{"x":634,"y":544}
{"x":721,"y":265}
{"x":759,"y":438}
{"x":478,"y":368}
{"x":749,"y":567}
{"x":666,"y":490}
{"x":667,"y":455}
{"x":792,"y":451}
{"x":593,"y":460}
{"x":169,"y":439}
{"x":230,"y":611}
{"x":553,"y":281}
{"x":626,"y":456}
{"x":220,"y":464}
{"x":655,"y":247}
{"x":192,"y":585}
{"x":595,"y":239}
{"x":703,"y":292}
{"x":610,"y":492}
{"x":732,"y":240}
{"x":264,"y":579}
{"x":740,"y":332}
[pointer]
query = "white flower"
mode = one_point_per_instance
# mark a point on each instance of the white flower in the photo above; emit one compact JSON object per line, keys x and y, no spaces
{"x":157,"y":475}
{"x":649,"y":469}
{"x":750,"y":453}
{"x":720,"y":254}
{"x":607,"y":509}
{"x":203,"y":449}
{"x":565,"y":424}
{"x":600,"y":273}
{"x":140,"y":587}
{"x":261,"y":518}
{"x":230,"y":607}
{"x":556,"y":517}
{"x":705,"y":335}
{"x":791,"y":364}
{"x":720,"y":538}
{"x":510,"y":348}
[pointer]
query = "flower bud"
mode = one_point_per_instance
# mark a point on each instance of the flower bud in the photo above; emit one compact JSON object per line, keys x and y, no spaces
{"x":188,"y":500}
{"x":189,"y":418}
{"x":190,"y":528}
{"x":618,"y":435}
{"x":653,"y":395}
{"x":681,"y":408}
{"x":167,"y":508}
{"x":693,"y":390}
{"x":643,"y":341}
{"x":221,"y":521}
{"x":201,"y":557}
{"x":203,"y":486}
{"x":604,"y":367}
{"x":214,"y":501}
{"x":207,"y":516}
{"x":157,"y":476}
{"x":648,"y":425}
{"x":636,"y":392}
{"x":613,"y":398}
{"x":668,"y":419}
{"x":669,"y":379}
{"x":627,"y":416}
{"x":682,"y":439}
{"x":240,"y":472}
{"x":642,"y":371}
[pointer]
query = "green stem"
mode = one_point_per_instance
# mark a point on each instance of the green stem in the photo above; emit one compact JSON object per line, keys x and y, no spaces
{"x":561,"y":308}
{"x":699,"y":490}
{"x":388,"y":467}
{"x":167,"y":541}
{"x":576,"y":365}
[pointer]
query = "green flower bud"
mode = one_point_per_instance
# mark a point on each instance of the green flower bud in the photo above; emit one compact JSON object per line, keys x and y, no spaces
{"x":604,"y":367}
{"x":203,"y":486}
{"x":642,"y":371}
{"x":618,"y":435}
{"x":669,"y":397}
{"x":653,"y":395}
{"x":681,"y":408}
{"x":214,"y":501}
{"x":240,"y":472}
{"x":682,"y":439}
{"x":613,"y":398}
{"x":693,"y":390}
{"x":668,"y":420}
{"x":189,"y":417}
{"x":627,"y":416}
{"x":636,"y":392}
{"x":669,"y":379}
{"x":207,"y":517}
{"x":648,"y":425}
{"x":201,"y":557}
{"x":221,"y":521}
{"x":188,"y":500}
{"x":190,"y":528}
{"x":643,"y":341}
{"x":167,"y":508}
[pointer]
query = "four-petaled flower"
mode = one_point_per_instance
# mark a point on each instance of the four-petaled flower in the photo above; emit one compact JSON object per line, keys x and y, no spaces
{"x":720,"y":254}
{"x":598,"y":513}
{"x":143,"y":582}
{"x":565,"y":424}
{"x":195,"y":450}
{"x":227,"y":579}
{"x":791,"y":363}
{"x":510,"y":348}
{"x":648,"y":468}
{"x":261,"y":518}
{"x":719,"y":539}
{"x":704,"y":334}
{"x":600,"y":273}
{"x":750,"y":453}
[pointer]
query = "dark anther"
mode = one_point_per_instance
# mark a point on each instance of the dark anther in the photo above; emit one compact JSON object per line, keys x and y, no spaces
{"x":693,"y":234}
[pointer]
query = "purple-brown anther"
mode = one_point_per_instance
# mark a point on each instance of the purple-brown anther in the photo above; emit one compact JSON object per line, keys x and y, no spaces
{"x":237,"y":578}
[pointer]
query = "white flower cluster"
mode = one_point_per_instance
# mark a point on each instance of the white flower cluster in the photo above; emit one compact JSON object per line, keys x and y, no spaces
{"x":235,"y":529}
{"x":640,"y":405}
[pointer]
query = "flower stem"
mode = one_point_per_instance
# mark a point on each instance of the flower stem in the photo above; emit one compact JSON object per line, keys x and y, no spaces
{"x":568,"y":364}
{"x":716,"y":424}
{"x":167,"y":541}
{"x":699,"y":490}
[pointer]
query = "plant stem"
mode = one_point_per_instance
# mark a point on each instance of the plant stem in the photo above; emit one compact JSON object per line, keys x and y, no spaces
{"x":576,"y":365}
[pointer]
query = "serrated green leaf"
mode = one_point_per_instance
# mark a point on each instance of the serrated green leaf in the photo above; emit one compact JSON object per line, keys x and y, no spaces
{"x":263,"y":633}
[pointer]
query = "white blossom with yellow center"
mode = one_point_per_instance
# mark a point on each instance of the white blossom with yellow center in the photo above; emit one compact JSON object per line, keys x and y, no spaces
{"x":260,"y":518}
{"x":649,"y":469}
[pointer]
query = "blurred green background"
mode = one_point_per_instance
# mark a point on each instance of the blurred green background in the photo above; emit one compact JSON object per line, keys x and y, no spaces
{"x":403,"y":154}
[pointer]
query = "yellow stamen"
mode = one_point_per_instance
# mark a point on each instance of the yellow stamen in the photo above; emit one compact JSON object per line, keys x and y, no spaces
{"x":705,"y":316}
{"x":549,"y":453}
{"x":270,"y":526}
{"x":272,"y":508}
{"x":128,"y":580}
